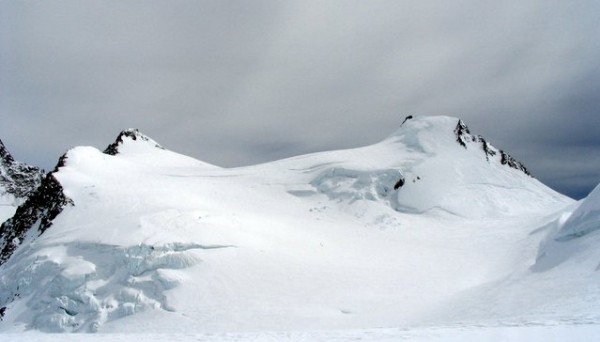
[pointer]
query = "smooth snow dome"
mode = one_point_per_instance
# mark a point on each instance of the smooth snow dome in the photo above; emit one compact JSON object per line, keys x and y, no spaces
{"x":415,"y":230}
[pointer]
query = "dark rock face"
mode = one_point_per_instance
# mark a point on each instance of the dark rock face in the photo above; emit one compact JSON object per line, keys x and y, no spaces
{"x":16,"y":178}
{"x":399,"y":184}
{"x":45,"y":198}
{"x":133,"y":134}
{"x":37,"y":213}
{"x":406,"y":119}
{"x":464,"y":136}
{"x":487,"y":148}
{"x":511,"y":162}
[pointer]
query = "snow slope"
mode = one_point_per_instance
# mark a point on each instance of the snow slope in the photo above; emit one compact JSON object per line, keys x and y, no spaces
{"x":573,"y":237}
{"x":385,"y":235}
{"x":556,"y":281}
{"x":531,"y":333}
{"x":584,"y":221}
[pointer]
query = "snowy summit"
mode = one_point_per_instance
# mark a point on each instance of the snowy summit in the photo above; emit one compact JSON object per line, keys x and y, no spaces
{"x":433,"y":226}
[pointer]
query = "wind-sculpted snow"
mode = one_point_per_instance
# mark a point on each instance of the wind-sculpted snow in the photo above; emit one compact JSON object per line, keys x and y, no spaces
{"x":573,"y":237}
{"x":555,"y":278}
{"x":88,"y":284}
{"x":584,"y":220}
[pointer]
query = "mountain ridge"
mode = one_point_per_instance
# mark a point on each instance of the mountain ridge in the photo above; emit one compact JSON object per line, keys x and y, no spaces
{"x":378,"y":235}
{"x":35,"y":214}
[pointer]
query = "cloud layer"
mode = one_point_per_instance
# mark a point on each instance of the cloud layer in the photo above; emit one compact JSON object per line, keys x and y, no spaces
{"x":234,"y":82}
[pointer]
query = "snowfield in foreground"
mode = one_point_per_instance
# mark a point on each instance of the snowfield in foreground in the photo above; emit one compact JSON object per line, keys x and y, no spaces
{"x":432,"y":227}
{"x":532,"y":333}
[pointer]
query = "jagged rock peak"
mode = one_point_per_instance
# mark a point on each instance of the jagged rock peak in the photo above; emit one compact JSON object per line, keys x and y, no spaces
{"x":464,"y":137}
{"x":16,"y":178}
{"x":5,"y":155}
{"x":131,"y":134}
{"x":510,"y":161}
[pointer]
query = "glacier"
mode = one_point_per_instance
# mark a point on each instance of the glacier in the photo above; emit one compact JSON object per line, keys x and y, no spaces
{"x":431,"y":227}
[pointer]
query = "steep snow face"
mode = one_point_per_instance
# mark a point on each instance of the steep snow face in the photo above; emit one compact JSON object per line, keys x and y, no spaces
{"x":368,"y":237}
{"x":17,"y":181}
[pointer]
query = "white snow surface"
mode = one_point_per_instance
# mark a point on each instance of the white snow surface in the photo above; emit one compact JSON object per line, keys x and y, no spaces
{"x":585,"y":220}
{"x":162,"y":243}
{"x":8,"y":205}
{"x":7,"y":210}
{"x":531,"y":333}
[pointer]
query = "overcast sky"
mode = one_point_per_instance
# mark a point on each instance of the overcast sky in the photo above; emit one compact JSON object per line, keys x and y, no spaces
{"x":241,"y":82}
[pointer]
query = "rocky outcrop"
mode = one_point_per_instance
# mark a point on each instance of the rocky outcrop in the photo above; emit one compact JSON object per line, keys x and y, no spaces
{"x":464,"y":137}
{"x":16,"y":178}
{"x":487,"y":148}
{"x":410,"y":117}
{"x":35,"y":214}
{"x":129,"y":134}
{"x":511,"y":162}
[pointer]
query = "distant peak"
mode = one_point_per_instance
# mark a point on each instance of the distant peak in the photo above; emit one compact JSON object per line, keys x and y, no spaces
{"x":17,"y":178}
{"x":130,"y":134}
{"x":438,"y":128}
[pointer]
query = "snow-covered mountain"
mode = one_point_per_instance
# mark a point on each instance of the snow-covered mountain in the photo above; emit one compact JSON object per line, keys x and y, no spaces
{"x":403,"y":232}
{"x":17,"y":182}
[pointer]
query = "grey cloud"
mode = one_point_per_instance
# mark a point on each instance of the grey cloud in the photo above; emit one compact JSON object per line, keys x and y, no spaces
{"x":237,"y":83}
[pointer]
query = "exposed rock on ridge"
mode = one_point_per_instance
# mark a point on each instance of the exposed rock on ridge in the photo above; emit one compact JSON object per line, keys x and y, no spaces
{"x":464,"y":137}
{"x":36,"y":214}
{"x":17,"y":179}
{"x":132,"y":134}
{"x":46,"y":200}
